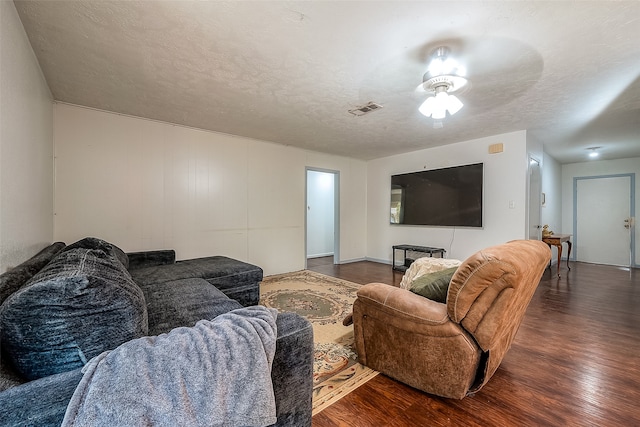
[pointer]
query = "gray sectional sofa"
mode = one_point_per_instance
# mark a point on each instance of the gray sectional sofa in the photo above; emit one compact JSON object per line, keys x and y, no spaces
{"x":68,"y":304}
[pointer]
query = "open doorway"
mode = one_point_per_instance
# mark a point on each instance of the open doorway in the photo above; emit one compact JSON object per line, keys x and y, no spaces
{"x":534,"y":212}
{"x":322,"y":219}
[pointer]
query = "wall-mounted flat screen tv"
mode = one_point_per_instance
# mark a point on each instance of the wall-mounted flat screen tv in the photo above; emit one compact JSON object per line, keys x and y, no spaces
{"x":440,"y":197}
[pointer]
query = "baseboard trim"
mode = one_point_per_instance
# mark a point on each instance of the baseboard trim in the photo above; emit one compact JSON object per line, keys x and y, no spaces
{"x":319,"y":255}
{"x":378,"y":260}
{"x":349,"y":261}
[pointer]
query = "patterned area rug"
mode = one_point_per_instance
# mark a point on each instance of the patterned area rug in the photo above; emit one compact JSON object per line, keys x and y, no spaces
{"x":325,"y":301}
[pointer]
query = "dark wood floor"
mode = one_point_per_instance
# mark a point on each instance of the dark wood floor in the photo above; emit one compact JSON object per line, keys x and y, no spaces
{"x":574,"y":362}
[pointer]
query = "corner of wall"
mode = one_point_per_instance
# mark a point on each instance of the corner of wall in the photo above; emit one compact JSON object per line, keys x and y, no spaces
{"x":26,"y":133}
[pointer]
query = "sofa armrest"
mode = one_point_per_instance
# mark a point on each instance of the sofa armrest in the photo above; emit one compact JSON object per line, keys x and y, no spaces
{"x":292,"y":371}
{"x":151,"y":258}
{"x":41,"y":402}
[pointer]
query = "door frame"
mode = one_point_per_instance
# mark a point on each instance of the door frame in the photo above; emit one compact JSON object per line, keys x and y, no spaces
{"x":531,"y":158}
{"x":336,"y":211}
{"x":632,"y":210}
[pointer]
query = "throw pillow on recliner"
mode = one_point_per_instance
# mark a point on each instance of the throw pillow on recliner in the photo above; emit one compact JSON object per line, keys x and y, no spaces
{"x":433,"y":285}
{"x":82,"y":303}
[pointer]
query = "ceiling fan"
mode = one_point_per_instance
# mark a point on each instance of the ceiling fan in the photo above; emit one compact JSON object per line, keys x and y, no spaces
{"x":444,"y":77}
{"x":483,"y":73}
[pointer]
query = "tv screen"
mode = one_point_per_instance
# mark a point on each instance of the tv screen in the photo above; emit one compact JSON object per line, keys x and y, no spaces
{"x":446,"y":197}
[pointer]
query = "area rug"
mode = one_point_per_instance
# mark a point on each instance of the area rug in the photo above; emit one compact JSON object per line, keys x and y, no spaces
{"x":325,"y":301}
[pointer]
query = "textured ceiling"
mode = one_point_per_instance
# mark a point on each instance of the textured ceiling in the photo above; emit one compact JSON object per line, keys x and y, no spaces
{"x":288,"y":72}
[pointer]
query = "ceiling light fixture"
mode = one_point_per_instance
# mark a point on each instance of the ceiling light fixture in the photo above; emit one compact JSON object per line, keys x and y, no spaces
{"x":593,"y":152}
{"x":441,"y":80}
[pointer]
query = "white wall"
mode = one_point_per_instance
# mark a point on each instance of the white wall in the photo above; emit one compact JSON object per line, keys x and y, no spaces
{"x":26,"y":149}
{"x":146,"y":185}
{"x":596,"y":168}
{"x":505,"y":180}
{"x":552,"y":208}
{"x":320,"y":213}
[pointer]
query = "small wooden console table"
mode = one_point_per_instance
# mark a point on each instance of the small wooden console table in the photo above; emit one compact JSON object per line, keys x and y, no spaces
{"x":405,"y":248}
{"x":557,"y":240}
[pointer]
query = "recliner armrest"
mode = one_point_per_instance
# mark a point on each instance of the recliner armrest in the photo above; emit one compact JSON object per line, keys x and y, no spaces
{"x":405,"y":304}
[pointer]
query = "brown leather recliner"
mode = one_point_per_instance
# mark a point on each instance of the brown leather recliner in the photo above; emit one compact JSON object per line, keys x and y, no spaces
{"x":450,"y":349}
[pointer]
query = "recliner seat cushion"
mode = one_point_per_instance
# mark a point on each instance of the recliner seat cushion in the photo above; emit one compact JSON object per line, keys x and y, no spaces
{"x":82,"y":303}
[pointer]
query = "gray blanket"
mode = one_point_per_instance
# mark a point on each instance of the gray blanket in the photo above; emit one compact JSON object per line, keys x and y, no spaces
{"x":217,"y":373}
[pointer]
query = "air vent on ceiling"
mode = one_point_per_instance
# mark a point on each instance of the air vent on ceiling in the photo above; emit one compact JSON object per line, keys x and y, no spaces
{"x":365,"y":109}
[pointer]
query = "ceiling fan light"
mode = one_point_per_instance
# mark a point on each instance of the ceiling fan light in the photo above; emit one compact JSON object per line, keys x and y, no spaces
{"x":453,"y":104}
{"x":428,"y":106}
{"x":440,"y":112}
{"x":442,"y":80}
{"x":441,"y":62}
{"x":441,"y":97}
{"x":436,"y":67}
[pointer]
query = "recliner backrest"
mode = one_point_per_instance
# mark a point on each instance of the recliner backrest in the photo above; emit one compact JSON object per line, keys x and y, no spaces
{"x":489,"y":294}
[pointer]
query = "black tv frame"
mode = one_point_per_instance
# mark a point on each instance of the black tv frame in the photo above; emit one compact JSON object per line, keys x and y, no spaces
{"x":445,"y":197}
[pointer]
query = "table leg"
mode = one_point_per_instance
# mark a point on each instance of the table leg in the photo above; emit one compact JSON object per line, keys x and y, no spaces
{"x":568,"y":253}
{"x":559,"y":256}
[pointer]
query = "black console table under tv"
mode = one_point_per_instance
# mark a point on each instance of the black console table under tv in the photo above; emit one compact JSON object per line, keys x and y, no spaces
{"x":406,"y":262}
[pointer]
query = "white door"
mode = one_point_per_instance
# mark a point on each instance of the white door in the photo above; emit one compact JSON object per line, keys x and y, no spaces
{"x":602,"y":206}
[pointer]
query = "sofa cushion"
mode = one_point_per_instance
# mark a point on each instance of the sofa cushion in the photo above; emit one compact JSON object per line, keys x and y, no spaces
{"x":151,"y":258}
{"x":39,"y":403}
{"x":99,"y":244}
{"x":434,"y":285}
{"x":13,"y":279}
{"x":183,"y":303}
{"x":82,"y":303}
{"x":237,"y":279}
{"x":9,"y":377}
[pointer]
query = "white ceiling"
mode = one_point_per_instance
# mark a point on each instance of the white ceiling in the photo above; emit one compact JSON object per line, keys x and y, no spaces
{"x":287,"y":72}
